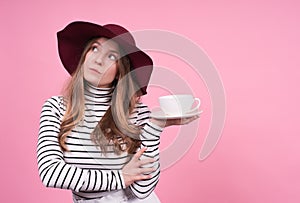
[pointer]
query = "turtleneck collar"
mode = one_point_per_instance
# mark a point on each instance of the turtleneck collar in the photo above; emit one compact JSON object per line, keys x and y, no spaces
{"x":96,"y":94}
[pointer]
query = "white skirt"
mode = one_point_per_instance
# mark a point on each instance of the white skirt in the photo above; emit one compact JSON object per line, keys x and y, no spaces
{"x":119,"y":196}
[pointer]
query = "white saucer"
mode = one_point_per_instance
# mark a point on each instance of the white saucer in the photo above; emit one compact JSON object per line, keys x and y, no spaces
{"x":161,"y":115}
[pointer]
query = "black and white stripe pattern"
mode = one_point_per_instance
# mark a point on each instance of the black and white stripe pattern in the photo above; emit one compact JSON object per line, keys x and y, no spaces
{"x":84,"y":169}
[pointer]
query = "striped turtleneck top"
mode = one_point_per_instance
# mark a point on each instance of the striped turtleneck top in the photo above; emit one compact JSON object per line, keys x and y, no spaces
{"x":85,"y":169}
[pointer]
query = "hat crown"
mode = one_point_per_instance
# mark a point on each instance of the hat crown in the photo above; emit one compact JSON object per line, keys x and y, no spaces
{"x":121,"y":32}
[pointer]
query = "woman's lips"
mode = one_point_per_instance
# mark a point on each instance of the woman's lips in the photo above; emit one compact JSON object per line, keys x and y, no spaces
{"x":95,"y":70}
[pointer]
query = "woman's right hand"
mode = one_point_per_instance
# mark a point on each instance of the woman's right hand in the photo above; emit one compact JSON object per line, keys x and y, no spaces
{"x":135,"y":169}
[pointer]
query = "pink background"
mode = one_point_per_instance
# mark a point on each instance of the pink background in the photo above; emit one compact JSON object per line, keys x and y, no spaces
{"x":255,"y":47}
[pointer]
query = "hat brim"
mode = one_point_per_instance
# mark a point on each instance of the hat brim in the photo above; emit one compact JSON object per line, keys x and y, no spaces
{"x":75,"y":36}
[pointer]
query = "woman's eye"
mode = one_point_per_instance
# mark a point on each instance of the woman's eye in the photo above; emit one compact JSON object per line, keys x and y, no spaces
{"x":94,"y":48}
{"x":112,"y":57}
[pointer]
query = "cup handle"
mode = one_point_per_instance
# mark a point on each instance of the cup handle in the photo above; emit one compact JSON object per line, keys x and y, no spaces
{"x":196,"y":107}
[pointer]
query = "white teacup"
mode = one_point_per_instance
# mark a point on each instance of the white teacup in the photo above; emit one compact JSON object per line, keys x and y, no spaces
{"x":179,"y":104}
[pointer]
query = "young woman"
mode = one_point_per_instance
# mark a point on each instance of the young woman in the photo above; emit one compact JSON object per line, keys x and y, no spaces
{"x":98,"y":139}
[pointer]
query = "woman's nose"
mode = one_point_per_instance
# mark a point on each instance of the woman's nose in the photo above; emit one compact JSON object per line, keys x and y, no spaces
{"x":99,"y":59}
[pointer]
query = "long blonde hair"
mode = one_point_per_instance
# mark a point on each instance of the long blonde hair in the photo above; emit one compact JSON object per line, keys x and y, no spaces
{"x":114,"y":126}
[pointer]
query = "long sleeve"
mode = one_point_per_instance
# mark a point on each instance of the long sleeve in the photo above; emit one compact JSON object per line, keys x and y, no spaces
{"x":54,"y":171}
{"x":150,"y":138}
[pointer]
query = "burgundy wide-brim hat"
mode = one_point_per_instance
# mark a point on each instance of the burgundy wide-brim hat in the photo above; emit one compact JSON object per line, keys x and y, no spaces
{"x":75,"y":36}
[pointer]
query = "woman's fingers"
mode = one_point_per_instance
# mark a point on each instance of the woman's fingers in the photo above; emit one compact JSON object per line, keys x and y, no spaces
{"x":142,"y":177}
{"x":146,"y":170}
{"x":187,"y":120}
{"x":138,"y":169}
{"x":180,"y":121}
{"x":173,"y":121}
{"x":146,"y":161}
{"x":139,"y":153}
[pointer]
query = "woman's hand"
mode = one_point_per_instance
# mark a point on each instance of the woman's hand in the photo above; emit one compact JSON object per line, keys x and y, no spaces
{"x":134,"y":170}
{"x":174,"y":121}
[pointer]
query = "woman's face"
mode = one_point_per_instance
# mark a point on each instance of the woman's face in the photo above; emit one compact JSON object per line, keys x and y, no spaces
{"x":100,"y":65}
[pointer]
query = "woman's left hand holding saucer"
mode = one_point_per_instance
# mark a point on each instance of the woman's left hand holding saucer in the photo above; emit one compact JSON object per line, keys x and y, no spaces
{"x":173,"y":121}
